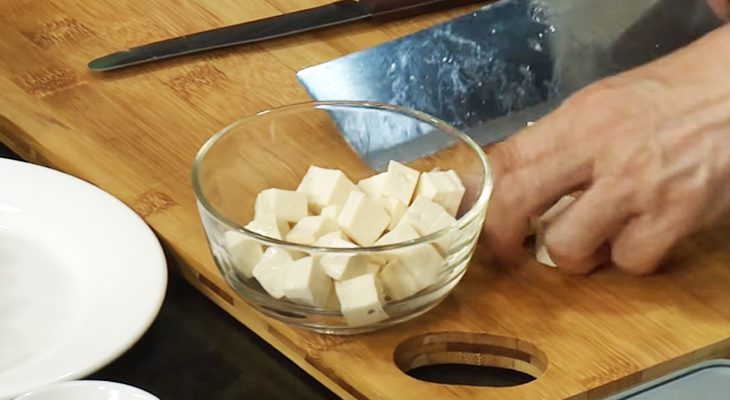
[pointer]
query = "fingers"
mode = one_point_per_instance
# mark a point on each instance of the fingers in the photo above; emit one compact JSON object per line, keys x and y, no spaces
{"x":532,"y":170}
{"x":577,"y":239}
{"x":643,"y":243}
{"x":721,"y":8}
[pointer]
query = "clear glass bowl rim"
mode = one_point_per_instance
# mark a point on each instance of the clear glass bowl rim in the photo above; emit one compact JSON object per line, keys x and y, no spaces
{"x":473,"y":213}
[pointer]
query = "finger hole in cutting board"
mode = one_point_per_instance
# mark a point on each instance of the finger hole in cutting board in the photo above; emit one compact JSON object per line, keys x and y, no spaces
{"x":475,"y":359}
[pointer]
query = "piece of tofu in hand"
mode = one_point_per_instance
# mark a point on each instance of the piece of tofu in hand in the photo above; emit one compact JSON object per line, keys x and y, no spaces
{"x":324,"y":187}
{"x":306,"y":283}
{"x":361,"y":300}
{"x":271,"y":270}
{"x":286,"y":205}
{"x":243,"y":251}
{"x":540,"y":224}
{"x":442,"y":187}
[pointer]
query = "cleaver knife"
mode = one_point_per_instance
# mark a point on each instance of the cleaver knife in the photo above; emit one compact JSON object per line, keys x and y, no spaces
{"x":493,"y":71}
{"x":337,"y":13}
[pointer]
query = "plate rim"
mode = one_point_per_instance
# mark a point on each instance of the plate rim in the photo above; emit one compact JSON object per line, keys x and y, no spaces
{"x":158,"y":268}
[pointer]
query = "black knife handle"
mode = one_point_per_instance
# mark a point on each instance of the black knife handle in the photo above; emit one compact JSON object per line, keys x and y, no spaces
{"x":392,"y":9}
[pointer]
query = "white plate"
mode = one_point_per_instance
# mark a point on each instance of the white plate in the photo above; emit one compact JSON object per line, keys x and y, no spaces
{"x":87,"y":390}
{"x":82,"y":277}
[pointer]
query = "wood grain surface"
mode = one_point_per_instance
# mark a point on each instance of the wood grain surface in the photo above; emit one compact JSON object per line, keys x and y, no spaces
{"x":135,"y":132}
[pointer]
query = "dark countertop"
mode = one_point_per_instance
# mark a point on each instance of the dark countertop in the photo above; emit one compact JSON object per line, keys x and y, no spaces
{"x":194,"y":350}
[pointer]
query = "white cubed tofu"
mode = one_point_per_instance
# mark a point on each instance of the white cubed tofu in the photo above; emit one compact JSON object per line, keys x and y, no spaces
{"x":332,"y":211}
{"x":541,"y":252}
{"x":428,"y":217}
{"x":286,"y":205}
{"x":306,"y":283}
{"x":243,"y":251}
{"x":268,"y":225}
{"x":398,"y":281}
{"x":400,"y":182}
{"x":309,"y":229}
{"x":422,"y":213}
{"x":538,"y":226}
{"x":325,"y":187}
{"x":360,"y":268}
{"x":373,"y":186}
{"x":271,"y":270}
{"x":331,"y":238}
{"x":442,"y":187}
{"x":553,"y":212}
{"x":361,"y":300}
{"x":339,"y":266}
{"x":363,"y":219}
{"x":403,"y":232}
{"x":395,"y":209}
{"x":423,"y":261}
{"x":443,"y":221}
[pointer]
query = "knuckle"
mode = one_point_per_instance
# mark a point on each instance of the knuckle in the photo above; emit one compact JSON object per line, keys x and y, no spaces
{"x":562,"y":251}
{"x":636,"y":258}
{"x":636,"y":266}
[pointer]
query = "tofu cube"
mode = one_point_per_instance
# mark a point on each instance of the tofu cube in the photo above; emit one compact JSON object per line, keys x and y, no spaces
{"x":428,"y":217}
{"x":373,"y":186}
{"x":325,"y":187}
{"x":362,"y":219}
{"x":268,"y":225}
{"x":400,"y":182}
{"x":331,"y":238}
{"x":442,"y":187}
{"x":539,"y":225}
{"x":423,"y":261}
{"x":309,"y":229}
{"x":286,"y":205}
{"x":403,"y":232}
{"x":306,"y":283}
{"x":243,"y":251}
{"x":332,"y":211}
{"x":443,"y":221}
{"x":398,"y":281}
{"x":395,"y":209}
{"x":541,"y":252}
{"x":557,"y":209}
{"x":361,"y":300}
{"x":340,"y":266}
{"x":271,"y":270}
{"x":422,"y":213}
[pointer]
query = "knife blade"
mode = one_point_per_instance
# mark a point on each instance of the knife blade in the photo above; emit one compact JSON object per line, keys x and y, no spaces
{"x":332,"y":14}
{"x":492,"y":71}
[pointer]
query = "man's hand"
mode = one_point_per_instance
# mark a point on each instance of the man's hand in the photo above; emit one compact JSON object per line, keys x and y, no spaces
{"x":721,"y":8}
{"x":651,"y":150}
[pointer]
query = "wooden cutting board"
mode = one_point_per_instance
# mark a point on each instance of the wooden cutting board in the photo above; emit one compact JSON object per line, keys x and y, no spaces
{"x":135,"y":133}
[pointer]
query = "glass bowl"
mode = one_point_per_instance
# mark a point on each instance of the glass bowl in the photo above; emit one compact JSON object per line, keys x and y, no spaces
{"x":275,"y":148}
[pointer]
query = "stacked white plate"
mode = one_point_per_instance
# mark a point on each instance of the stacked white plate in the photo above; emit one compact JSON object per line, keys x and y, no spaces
{"x":82,"y":277}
